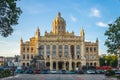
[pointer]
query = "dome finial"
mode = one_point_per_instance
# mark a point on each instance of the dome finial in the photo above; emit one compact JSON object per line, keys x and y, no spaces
{"x":59,"y":15}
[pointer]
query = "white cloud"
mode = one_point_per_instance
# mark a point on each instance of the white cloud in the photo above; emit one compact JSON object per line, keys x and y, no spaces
{"x":74,"y":19}
{"x":101,"y":24}
{"x":95,"y":12}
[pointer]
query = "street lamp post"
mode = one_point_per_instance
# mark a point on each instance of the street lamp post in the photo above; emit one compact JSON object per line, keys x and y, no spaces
{"x":13,"y":67}
{"x":118,"y":59}
{"x":106,"y":62}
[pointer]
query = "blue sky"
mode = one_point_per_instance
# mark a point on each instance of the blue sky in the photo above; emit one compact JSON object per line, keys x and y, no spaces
{"x":92,"y":15}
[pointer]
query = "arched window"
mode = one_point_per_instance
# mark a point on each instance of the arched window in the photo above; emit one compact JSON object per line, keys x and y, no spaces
{"x":23,"y":49}
{"x":94,"y":49}
{"x":27,"y":64}
{"x":91,"y":64}
{"x":28,"y":49}
{"x":23,"y":64}
{"x":90,"y":49}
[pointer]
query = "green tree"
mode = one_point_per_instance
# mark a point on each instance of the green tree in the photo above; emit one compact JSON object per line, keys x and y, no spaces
{"x":102,"y":61}
{"x":9,"y":15}
{"x":113,"y":37}
{"x":111,"y":60}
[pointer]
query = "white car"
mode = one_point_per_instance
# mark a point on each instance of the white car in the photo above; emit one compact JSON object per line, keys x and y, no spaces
{"x":117,"y":72}
{"x":90,"y":71}
{"x":53,"y":71}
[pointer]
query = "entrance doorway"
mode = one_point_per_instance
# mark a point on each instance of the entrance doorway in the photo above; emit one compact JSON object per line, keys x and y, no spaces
{"x":54,"y":65}
{"x":60,"y":65}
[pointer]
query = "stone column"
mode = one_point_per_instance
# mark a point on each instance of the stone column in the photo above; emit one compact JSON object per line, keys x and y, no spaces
{"x":75,"y":65}
{"x":51,"y":51}
{"x":75,"y":57}
{"x":44,"y":51}
{"x":56,"y":65}
{"x":57,"y":51}
{"x":69,"y":53}
{"x":51,"y":62}
{"x":37,"y":50}
{"x":45,"y":65}
{"x":51,"y":65}
{"x":83,"y":60}
{"x":70,"y":65}
{"x":63,"y":66}
{"x":63,"y":51}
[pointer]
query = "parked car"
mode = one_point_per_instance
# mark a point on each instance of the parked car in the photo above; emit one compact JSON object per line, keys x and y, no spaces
{"x":117,"y":71}
{"x":29,"y":71}
{"x":19,"y":71}
{"x":90,"y":71}
{"x":45,"y":72}
{"x":109,"y":73}
{"x":53,"y":71}
{"x":100,"y":71}
{"x":63,"y":71}
{"x":37,"y":71}
{"x":79,"y":72}
{"x":1,"y":68}
{"x":72,"y":72}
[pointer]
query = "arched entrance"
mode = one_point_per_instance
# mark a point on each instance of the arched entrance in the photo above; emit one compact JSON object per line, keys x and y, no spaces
{"x":60,"y":64}
{"x":54,"y":65}
{"x":95,"y":64}
{"x":78,"y":65}
{"x":48,"y":65}
{"x":73,"y":66}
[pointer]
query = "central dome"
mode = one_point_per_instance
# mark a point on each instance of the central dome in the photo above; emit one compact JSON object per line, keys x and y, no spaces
{"x":59,"y":18}
{"x":59,"y":25}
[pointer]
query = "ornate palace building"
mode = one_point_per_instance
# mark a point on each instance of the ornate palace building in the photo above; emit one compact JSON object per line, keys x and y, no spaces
{"x":60,"y":48}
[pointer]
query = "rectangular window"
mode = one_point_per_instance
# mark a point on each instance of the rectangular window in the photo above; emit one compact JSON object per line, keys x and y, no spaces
{"x":27,"y":56}
{"x":60,"y":49}
{"x":94,"y":49}
{"x":23,"y":56}
{"x":54,"y":51}
{"x":31,"y":56}
{"x":48,"y":49}
{"x":78,"y":56}
{"x":48,"y":56}
{"x":87,"y":49}
{"x":66,"y":50}
{"x":78,"y":49}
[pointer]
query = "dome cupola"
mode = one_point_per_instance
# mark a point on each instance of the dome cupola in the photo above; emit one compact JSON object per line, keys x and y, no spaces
{"x":59,"y":25}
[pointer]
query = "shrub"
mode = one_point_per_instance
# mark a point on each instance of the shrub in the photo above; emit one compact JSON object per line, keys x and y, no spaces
{"x":4,"y":73}
{"x":110,"y":73}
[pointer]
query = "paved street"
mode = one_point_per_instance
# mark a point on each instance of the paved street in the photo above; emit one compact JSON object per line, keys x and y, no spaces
{"x":59,"y":77}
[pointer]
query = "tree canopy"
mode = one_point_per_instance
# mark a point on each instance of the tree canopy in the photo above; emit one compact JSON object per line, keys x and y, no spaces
{"x":111,"y":60}
{"x":9,"y":15}
{"x":113,"y":37}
